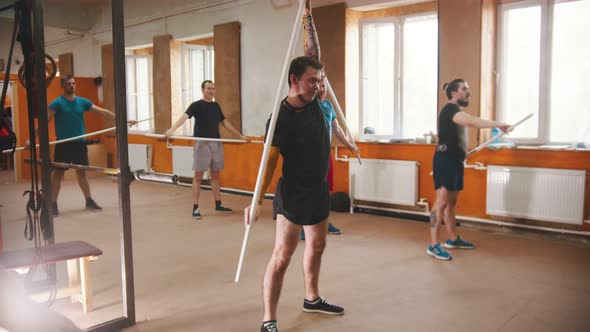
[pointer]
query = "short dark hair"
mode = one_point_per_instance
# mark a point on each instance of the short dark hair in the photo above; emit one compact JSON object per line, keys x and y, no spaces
{"x":452,"y":86}
{"x":66,"y":78}
{"x":205,"y":83}
{"x":299,"y":66}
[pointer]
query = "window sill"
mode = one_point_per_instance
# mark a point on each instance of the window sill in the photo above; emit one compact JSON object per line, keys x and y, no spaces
{"x":538,"y":147}
{"x":394,"y":141}
{"x":550,"y":147}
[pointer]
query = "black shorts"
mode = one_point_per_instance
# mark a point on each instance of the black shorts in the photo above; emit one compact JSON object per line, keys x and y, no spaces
{"x":448,"y":171}
{"x":71,"y":153}
{"x":302,"y":205}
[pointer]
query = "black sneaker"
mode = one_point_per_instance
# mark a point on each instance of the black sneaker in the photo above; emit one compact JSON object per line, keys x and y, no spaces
{"x":221,"y":208}
{"x":196,"y":214}
{"x":55,"y":210}
{"x":91,"y":205}
{"x":271,"y":327}
{"x":322,"y":306}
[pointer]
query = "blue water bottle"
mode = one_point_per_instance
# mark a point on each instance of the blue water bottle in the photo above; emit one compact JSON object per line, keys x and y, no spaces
{"x":495,"y":131}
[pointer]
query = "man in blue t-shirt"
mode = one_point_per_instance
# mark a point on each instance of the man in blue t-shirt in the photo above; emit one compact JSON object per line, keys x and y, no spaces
{"x":332,"y":123}
{"x":311,"y":48}
{"x":68,"y":111}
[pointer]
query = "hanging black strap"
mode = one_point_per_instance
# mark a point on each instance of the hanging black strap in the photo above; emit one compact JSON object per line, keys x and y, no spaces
{"x":35,"y":203}
{"x":33,"y":207}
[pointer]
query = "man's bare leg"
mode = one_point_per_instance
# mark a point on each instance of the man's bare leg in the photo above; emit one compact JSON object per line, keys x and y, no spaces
{"x":286,"y":240}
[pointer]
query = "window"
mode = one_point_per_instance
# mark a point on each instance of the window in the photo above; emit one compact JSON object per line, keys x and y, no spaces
{"x":399,"y":73}
{"x":197,"y":66}
{"x":139,"y":90}
{"x":543,"y":69}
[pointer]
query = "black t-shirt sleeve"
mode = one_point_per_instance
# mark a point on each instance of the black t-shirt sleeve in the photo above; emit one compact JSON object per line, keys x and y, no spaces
{"x":449,"y":112}
{"x":221,"y":116}
{"x":276,"y":135}
{"x":191,"y":110}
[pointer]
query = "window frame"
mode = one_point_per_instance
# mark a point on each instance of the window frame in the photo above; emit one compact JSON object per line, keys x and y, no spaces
{"x":545,"y":66}
{"x":187,"y":128}
{"x":134,"y":130}
{"x":398,"y":75}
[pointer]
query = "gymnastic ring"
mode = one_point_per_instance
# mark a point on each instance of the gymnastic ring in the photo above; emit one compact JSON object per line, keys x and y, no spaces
{"x":49,"y":75}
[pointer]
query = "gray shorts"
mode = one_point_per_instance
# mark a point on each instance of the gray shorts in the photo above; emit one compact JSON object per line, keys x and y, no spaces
{"x":207,"y":155}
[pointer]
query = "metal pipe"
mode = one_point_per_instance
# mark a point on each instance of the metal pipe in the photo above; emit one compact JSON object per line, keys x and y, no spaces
{"x":142,"y":175}
{"x":105,"y":170}
{"x":227,"y":190}
{"x":125,"y":177}
{"x":41,"y":104}
{"x":485,"y":221}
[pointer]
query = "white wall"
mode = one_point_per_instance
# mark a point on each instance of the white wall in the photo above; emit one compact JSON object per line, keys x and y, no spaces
{"x":265,"y":36}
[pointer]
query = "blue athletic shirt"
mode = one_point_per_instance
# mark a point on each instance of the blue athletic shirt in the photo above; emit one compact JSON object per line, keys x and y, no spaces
{"x":69,"y":116}
{"x":329,"y":115}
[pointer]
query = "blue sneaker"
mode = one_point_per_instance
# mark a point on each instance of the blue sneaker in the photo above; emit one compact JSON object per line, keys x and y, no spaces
{"x":458,"y":243}
{"x":333,"y":230}
{"x":302,"y":236}
{"x":438,"y":252}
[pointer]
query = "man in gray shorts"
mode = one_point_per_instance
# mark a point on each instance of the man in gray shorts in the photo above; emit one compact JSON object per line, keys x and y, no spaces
{"x":207,"y":155}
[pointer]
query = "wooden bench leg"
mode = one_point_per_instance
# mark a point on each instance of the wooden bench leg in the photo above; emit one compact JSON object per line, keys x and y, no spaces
{"x":73,"y":278}
{"x":86,"y":285}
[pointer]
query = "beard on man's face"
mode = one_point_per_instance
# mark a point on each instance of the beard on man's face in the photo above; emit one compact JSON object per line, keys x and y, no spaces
{"x":463,"y":102}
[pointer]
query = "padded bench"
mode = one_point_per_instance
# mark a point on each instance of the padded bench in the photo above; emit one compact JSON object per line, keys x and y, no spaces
{"x":71,"y":252}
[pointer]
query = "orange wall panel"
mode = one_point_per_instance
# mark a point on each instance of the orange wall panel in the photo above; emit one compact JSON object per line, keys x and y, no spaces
{"x":242,"y":162}
{"x":472,"y":201}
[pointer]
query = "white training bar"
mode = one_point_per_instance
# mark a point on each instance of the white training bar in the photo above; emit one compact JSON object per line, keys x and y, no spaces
{"x":191,"y":138}
{"x":269,"y":137}
{"x":497,"y":136}
{"x":69,"y":139}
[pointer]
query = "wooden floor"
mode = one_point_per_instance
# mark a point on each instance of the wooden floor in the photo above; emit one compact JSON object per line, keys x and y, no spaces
{"x":377,"y":269}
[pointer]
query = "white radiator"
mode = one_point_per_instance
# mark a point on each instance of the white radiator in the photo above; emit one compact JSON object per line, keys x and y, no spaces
{"x":182,"y":161}
{"x":140,"y":157}
{"x":536,"y":193}
{"x":384,"y":181}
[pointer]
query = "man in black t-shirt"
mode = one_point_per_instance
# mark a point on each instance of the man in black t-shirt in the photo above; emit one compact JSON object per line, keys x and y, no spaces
{"x":208,"y":155}
{"x":302,"y":197}
{"x":447,"y":165}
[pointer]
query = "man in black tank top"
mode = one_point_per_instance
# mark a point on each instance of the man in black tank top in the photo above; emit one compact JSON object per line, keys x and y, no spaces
{"x":447,"y":165}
